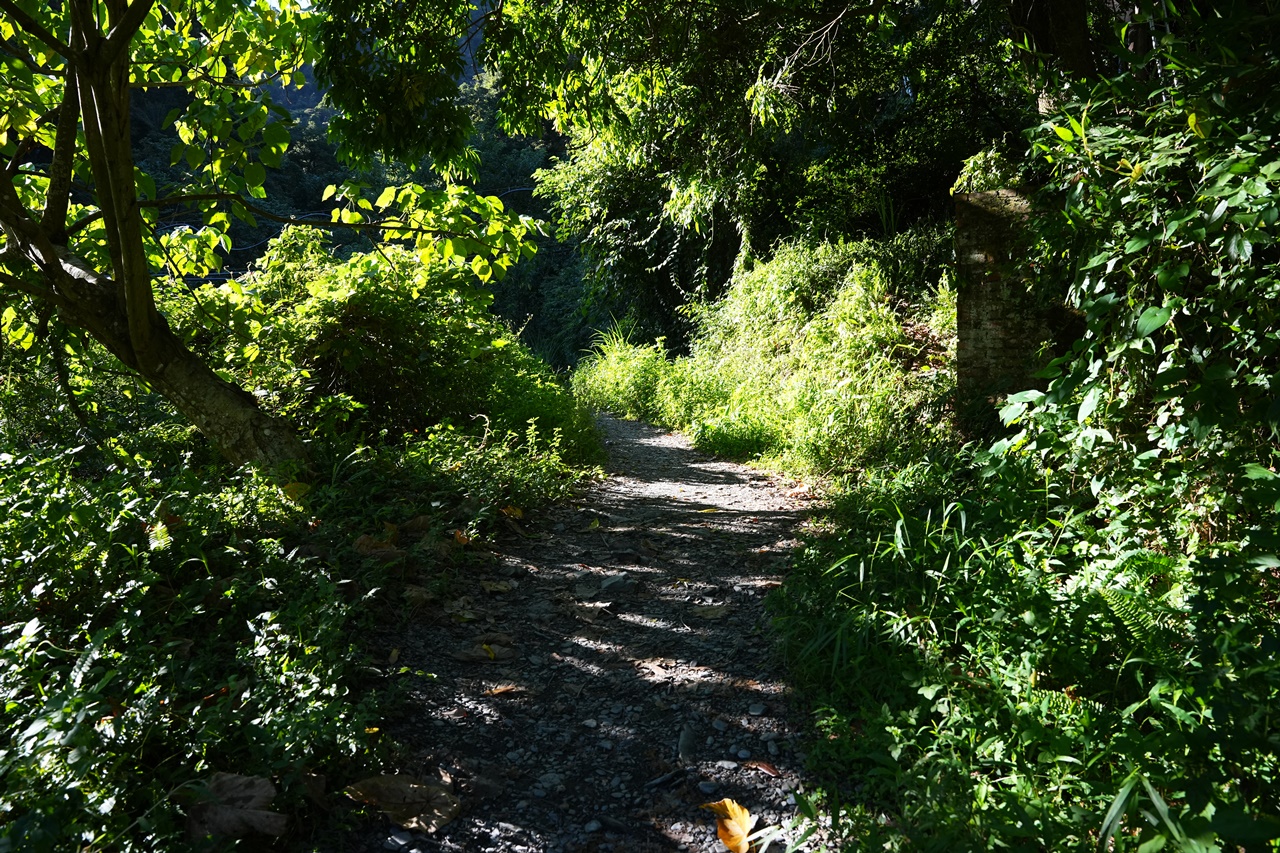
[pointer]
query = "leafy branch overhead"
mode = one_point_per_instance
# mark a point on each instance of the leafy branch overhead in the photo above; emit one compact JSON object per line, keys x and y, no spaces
{"x":86,"y":234}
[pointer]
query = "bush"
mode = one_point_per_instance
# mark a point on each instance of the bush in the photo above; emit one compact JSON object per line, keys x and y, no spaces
{"x":163,"y":618}
{"x":382,"y":343}
{"x":804,"y":360}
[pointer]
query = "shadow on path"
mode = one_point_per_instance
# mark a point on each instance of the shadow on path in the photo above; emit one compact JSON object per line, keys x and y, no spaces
{"x":639,"y":682}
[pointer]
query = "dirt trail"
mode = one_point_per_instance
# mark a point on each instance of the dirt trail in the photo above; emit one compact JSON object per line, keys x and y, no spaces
{"x":637,"y":682}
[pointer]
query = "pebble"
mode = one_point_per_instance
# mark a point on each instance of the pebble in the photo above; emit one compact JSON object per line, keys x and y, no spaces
{"x":744,"y":754}
{"x":708,"y":787}
{"x":773,"y":748}
{"x":606,"y":745}
{"x":513,"y":755}
{"x":591,"y":724}
{"x":720,"y":725}
{"x":397,"y":841}
{"x":756,"y":709}
{"x":727,"y":765}
{"x":592,"y":826}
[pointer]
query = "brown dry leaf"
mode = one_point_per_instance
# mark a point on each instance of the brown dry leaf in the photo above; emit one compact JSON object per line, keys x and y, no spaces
{"x":487,"y":648}
{"x":734,"y":825}
{"x":417,"y":596}
{"x":460,"y":537}
{"x":515,"y":528}
{"x":763,"y":766}
{"x":589,"y":611}
{"x":495,"y":586}
{"x":408,"y":801}
{"x":710,"y":509}
{"x":716,"y":611}
{"x":235,"y":806}
{"x":393,"y":657}
{"x":460,"y":609}
{"x":503,"y":689}
{"x":367,"y":546}
{"x":419,"y":525}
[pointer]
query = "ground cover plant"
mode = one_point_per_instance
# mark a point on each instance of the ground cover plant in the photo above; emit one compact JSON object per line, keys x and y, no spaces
{"x":807,"y":360}
{"x":1066,"y":640}
{"x":167,"y":618}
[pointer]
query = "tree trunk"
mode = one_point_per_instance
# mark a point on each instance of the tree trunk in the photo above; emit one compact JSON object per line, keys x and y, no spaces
{"x":227,"y":415}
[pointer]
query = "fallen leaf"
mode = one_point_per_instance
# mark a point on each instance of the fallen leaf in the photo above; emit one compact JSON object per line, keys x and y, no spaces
{"x":460,"y":537}
{"x":495,"y":586}
{"x":763,"y":766}
{"x":417,"y":596}
{"x":234,"y":806}
{"x":409,"y":802}
{"x":367,"y":546}
{"x":716,"y":611}
{"x":393,"y":657}
{"x":734,"y":825}
{"x":589,"y":611}
{"x":295,"y":490}
{"x":487,"y":648}
{"x":503,"y":689}
{"x":419,"y":525}
{"x":513,"y":512}
{"x":712,"y":509}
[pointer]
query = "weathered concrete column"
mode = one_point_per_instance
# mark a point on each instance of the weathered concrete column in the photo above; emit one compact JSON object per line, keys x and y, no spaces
{"x":1001,"y":328}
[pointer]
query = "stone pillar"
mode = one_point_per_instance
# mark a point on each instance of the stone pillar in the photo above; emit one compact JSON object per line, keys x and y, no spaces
{"x":1001,"y":329}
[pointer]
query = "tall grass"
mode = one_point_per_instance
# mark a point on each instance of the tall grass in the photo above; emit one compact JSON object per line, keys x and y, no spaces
{"x":804,"y":361}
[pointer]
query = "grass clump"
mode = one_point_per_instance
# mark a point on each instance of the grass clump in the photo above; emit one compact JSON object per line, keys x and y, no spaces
{"x":805,"y":361}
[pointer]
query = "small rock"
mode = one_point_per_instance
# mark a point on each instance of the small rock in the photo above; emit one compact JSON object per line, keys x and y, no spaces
{"x":619,"y":584}
{"x":708,"y":787}
{"x":606,"y":745}
{"x":513,"y":755}
{"x":756,"y":709}
{"x":591,"y":724}
{"x":773,"y":748}
{"x":538,"y":792}
{"x":719,"y":725}
{"x":744,"y":754}
{"x":592,"y":826}
{"x":397,"y":841}
{"x":727,"y":765}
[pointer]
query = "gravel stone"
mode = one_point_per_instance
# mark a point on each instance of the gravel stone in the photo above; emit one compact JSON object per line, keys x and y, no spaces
{"x":608,"y":639}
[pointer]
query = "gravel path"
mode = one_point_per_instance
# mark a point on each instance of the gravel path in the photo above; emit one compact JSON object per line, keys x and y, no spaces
{"x":613,"y":671}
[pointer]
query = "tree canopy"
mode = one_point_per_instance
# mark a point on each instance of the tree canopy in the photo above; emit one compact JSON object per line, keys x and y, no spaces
{"x":84,"y":240}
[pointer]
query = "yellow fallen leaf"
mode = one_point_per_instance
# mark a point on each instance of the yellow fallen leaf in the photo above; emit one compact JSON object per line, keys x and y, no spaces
{"x":715,"y":611}
{"x":495,"y":586}
{"x":294,"y":491}
{"x":513,"y":512}
{"x":734,"y":825}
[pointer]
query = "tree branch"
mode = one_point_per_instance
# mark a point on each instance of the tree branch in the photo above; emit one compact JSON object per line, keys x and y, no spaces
{"x":58,"y":198}
{"x":122,"y":31}
{"x":31,"y":26}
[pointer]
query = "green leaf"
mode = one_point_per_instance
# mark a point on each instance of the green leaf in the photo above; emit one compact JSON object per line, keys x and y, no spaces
{"x":1254,"y":471}
{"x":328,"y":192}
{"x":1089,"y":404}
{"x":254,"y":174}
{"x":1152,"y":319}
{"x":1063,"y":134}
{"x":386,"y":197}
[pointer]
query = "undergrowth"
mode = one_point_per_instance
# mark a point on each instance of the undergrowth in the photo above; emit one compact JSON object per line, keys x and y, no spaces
{"x":164,"y":618}
{"x":805,"y":362}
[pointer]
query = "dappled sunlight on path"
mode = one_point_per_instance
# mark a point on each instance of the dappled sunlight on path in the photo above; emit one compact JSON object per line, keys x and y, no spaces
{"x":636,"y":680}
